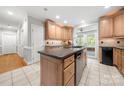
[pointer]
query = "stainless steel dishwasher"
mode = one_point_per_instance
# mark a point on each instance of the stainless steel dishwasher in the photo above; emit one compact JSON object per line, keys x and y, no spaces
{"x":80,"y":65}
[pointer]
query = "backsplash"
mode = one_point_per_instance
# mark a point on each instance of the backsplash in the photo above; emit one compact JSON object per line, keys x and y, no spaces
{"x":53,"y":43}
{"x":111,"y":42}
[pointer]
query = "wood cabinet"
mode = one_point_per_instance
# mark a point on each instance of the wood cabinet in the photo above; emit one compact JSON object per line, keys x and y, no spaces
{"x":119,"y":65}
{"x":50,"y":30}
{"x":106,"y":27}
{"x":123,"y":61}
{"x":67,"y":33}
{"x":57,"y":32}
{"x":115,"y":57}
{"x":64,"y":33}
{"x":68,"y":73}
{"x":100,"y":54}
{"x":119,"y":25}
{"x":57,"y":72}
{"x":71,"y":82}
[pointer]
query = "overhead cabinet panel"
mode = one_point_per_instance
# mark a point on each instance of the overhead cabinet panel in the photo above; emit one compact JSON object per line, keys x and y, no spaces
{"x":119,"y":25}
{"x":51,"y":30}
{"x":57,"y":32}
{"x":106,"y":27}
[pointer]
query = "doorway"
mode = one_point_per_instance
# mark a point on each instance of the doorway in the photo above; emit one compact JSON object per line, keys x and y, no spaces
{"x":8,"y":42}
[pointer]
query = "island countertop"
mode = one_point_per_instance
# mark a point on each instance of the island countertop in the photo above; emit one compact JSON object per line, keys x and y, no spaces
{"x":59,"y":53}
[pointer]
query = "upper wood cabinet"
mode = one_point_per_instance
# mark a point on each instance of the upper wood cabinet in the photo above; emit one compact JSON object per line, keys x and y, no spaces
{"x":119,"y":25}
{"x":57,"y":32}
{"x":67,"y":33}
{"x":106,"y":27}
{"x":50,"y":30}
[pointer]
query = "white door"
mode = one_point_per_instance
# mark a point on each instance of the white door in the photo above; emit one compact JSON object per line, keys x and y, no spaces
{"x":37,"y":41}
{"x":8,"y":43}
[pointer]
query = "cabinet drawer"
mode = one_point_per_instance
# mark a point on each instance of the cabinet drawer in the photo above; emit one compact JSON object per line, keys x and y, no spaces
{"x":68,"y":61}
{"x":68,"y":73}
{"x":71,"y":82}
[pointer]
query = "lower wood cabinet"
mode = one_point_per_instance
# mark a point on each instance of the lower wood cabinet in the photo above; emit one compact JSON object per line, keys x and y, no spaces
{"x":119,"y":55}
{"x":115,"y":57}
{"x":123,"y":61}
{"x":118,"y":59}
{"x":68,"y":73}
{"x":71,"y":81}
{"x":57,"y":72}
{"x":100,"y":54}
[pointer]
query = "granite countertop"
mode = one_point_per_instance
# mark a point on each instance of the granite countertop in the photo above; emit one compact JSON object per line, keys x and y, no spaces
{"x":114,"y":47}
{"x":60,"y":53}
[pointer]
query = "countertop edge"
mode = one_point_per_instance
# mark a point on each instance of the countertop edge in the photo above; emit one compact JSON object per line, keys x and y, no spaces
{"x":42,"y":53}
{"x":122,"y":48}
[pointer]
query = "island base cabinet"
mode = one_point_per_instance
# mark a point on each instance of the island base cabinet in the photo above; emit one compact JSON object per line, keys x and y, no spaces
{"x":51,"y":71}
{"x":54,"y":73}
{"x":71,"y":82}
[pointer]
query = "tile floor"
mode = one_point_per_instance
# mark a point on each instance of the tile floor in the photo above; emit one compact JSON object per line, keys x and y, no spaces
{"x":94,"y":74}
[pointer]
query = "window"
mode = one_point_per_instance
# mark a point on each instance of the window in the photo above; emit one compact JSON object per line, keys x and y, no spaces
{"x":79,"y":41}
{"x":91,"y":40}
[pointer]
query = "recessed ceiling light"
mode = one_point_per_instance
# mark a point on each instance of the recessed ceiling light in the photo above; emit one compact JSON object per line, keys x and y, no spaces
{"x":82,"y":21}
{"x":65,"y":21}
{"x":57,"y":16}
{"x":10,"y":13}
{"x":107,"y":6}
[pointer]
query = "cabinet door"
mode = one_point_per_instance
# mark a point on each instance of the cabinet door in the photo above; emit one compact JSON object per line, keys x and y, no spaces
{"x":115,"y":57}
{"x":58,"y":33}
{"x":51,"y":30}
{"x":118,"y":25}
{"x":71,"y":82}
{"x":123,"y":61}
{"x":119,"y":61}
{"x":70,"y":33}
{"x":106,"y":27}
{"x":64,"y":33}
{"x":100,"y":55}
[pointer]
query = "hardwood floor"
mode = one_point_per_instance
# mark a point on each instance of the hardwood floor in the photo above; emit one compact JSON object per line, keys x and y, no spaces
{"x":9,"y":62}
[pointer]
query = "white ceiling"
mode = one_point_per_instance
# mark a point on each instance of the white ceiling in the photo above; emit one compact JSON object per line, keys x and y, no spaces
{"x":73,"y":14}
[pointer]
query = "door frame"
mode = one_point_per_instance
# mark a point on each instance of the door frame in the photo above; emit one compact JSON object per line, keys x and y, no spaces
{"x":32,"y":42}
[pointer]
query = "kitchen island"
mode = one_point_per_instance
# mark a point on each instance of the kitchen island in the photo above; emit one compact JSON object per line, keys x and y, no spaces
{"x":59,"y":66}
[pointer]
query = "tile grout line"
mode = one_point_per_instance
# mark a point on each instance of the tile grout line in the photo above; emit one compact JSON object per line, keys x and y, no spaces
{"x":34,"y":69}
{"x":99,"y":76}
{"x":26,"y":77}
{"x":111,"y":76}
{"x":87,"y":75}
{"x":12,"y":78}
